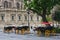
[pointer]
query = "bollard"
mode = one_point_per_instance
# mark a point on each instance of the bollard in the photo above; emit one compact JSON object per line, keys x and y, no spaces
{"x":47,"y":33}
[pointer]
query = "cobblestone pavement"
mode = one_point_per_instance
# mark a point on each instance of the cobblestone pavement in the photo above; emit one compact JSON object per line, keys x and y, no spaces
{"x":13,"y":36}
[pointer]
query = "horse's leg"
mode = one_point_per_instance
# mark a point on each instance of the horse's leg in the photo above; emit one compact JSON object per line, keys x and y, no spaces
{"x":17,"y":31}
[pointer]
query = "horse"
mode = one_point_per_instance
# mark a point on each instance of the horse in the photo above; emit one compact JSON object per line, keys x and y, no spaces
{"x":22,"y":29}
{"x":9,"y":29}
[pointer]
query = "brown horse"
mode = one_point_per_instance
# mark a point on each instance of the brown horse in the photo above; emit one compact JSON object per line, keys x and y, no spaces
{"x":23,"y":28}
{"x":9,"y":29}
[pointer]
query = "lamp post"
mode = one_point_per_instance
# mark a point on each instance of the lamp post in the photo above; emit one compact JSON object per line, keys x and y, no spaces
{"x":28,"y":17}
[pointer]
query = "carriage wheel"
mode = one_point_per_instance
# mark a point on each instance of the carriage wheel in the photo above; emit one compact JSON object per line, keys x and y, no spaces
{"x":38,"y":33}
{"x":28,"y":30}
{"x":22,"y":31}
{"x":53,"y":32}
{"x":47,"y":33}
{"x":8,"y":30}
{"x":12,"y":30}
{"x":17,"y":31}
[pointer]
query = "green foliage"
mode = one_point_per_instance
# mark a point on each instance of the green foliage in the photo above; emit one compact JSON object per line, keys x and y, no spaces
{"x":49,"y":18}
{"x":57,"y":30}
{"x":57,"y":16}
{"x":39,"y":5}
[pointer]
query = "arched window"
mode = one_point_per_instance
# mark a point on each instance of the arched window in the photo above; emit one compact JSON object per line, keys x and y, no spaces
{"x":19,"y":17}
{"x":2,"y":17}
{"x":13,"y":17}
{"x":5,"y":4}
{"x":25,"y":17}
{"x":9,"y":4}
{"x":18,"y":5}
{"x":37,"y":18}
{"x":21,"y":6}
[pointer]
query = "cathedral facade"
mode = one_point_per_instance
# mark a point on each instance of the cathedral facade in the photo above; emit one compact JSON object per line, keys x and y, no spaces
{"x":12,"y":12}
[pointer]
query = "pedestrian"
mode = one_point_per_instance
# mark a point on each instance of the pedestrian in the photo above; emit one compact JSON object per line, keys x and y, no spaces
{"x":31,"y":27}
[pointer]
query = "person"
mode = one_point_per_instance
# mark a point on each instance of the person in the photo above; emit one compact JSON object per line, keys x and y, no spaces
{"x":31,"y":27}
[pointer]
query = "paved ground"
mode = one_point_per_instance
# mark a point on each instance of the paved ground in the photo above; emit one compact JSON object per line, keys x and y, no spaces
{"x":13,"y":36}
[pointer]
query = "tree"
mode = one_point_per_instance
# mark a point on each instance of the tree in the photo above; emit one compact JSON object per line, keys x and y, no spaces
{"x":41,"y":7}
{"x":56,"y":16}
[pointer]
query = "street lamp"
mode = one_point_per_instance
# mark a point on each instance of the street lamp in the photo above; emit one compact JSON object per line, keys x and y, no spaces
{"x":28,"y":16}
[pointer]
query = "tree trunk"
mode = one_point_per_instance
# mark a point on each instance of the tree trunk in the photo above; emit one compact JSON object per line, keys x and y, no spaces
{"x":44,"y":19}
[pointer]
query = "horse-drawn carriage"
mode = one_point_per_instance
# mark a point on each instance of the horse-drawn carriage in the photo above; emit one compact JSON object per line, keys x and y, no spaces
{"x":8,"y":29}
{"x":47,"y":30}
{"x":18,"y":29}
{"x":22,"y":29}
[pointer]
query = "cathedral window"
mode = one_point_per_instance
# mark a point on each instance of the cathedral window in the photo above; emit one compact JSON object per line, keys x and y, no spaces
{"x":19,"y":17}
{"x":25,"y":18}
{"x":18,"y":5}
{"x":13,"y":17}
{"x":10,"y":4}
{"x":5,"y":4}
{"x":37,"y":18}
{"x":2,"y":17}
{"x":21,"y":5}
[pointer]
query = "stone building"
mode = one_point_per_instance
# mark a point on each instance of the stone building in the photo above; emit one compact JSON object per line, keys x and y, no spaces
{"x":12,"y":12}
